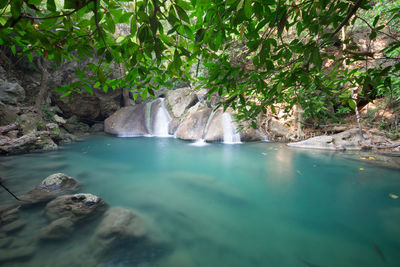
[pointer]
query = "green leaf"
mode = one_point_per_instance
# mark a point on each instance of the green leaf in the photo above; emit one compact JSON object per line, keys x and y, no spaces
{"x":352,"y":103}
{"x":3,"y":3}
{"x":182,"y":14}
{"x":16,"y":8}
{"x":97,"y":84}
{"x":247,"y":9}
{"x":51,"y":5}
{"x":200,"y":35}
{"x":240,"y":5}
{"x":375,"y":20}
{"x":372,"y":35}
{"x":88,"y":89}
{"x":13,"y":50}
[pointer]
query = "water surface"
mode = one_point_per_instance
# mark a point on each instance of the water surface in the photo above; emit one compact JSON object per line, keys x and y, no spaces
{"x":256,"y":204}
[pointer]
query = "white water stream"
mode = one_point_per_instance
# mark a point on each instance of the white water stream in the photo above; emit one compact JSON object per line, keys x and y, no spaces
{"x":231,"y":135}
{"x":162,"y":120}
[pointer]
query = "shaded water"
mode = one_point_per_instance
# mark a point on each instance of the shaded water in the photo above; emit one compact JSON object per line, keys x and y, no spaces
{"x":259,"y":204}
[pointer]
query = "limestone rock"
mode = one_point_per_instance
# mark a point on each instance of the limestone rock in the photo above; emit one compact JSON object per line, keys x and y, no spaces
{"x":347,"y":140}
{"x":8,"y":114}
{"x":118,"y":226}
{"x":192,"y":128}
{"x":11,"y":93}
{"x":214,"y":131}
{"x":121,"y":223}
{"x":180,"y":100}
{"x":97,"y":127}
{"x":59,"y":119}
{"x":76,"y":208}
{"x":54,"y":185}
{"x":30,"y":122}
{"x":128,"y":121}
{"x":16,"y":253}
{"x":57,"y":229}
{"x":13,"y":226}
{"x":34,"y":141}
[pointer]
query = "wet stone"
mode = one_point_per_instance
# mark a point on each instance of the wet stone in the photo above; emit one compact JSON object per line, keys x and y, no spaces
{"x":16,"y":253}
{"x":12,"y":227}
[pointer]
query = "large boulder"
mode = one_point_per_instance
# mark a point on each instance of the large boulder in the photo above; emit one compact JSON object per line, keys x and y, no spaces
{"x":215,"y":131}
{"x":34,"y":141}
{"x":193,"y":127}
{"x":347,"y":140}
{"x":118,"y":226}
{"x":8,"y":114}
{"x":53,"y":186}
{"x":30,"y":122}
{"x":180,"y":100}
{"x":77,"y":207}
{"x":11,"y":93}
{"x":128,"y":121}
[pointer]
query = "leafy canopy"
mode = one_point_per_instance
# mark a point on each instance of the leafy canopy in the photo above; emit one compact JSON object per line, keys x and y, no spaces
{"x":257,"y":53}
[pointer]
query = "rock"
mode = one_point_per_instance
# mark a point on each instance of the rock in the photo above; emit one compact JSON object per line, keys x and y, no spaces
{"x":118,"y":227}
{"x":58,"y":229}
{"x":347,"y":140}
{"x":84,"y":106}
{"x":249,"y":134}
{"x":192,"y":128}
{"x":180,"y":100}
{"x":9,"y":214}
{"x":73,"y":126}
{"x":127,"y":121}
{"x":97,"y":127}
{"x":59,"y":119}
{"x":5,"y":242}
{"x":76,"y":208}
{"x":30,"y":122}
{"x":11,"y":93}
{"x":16,"y":253}
{"x":53,"y":186}
{"x":13,"y":226}
{"x":121,"y":223}
{"x":8,"y":114}
{"x":278,"y":131}
{"x":179,"y":258}
{"x":215,"y":131}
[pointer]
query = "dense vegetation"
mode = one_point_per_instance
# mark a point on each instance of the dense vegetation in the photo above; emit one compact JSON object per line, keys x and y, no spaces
{"x":257,"y":53}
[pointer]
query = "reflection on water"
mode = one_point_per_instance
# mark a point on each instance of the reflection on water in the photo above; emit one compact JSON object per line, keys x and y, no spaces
{"x":259,"y":204}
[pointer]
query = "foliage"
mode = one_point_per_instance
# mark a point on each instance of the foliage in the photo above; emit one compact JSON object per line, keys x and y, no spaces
{"x":286,"y":46}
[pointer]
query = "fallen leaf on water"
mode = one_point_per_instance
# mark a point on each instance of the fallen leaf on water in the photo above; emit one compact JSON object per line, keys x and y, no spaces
{"x":84,"y":152}
{"x":108,"y":144}
{"x":299,"y":172}
{"x":393,"y":196}
{"x":371,"y":158}
{"x":362,"y":158}
{"x":264,"y":153}
{"x":314,"y":165}
{"x":361,"y":169}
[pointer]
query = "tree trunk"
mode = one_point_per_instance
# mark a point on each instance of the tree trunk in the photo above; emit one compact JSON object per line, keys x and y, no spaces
{"x":125,"y":91}
{"x":43,"y":84}
{"x":352,"y":89}
{"x":298,"y":120}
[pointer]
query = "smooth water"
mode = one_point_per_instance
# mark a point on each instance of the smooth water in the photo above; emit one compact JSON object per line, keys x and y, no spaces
{"x":258,"y":204}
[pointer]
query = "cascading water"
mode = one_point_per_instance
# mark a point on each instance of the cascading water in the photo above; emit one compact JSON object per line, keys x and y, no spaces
{"x":231,"y":135}
{"x":161,"y":120}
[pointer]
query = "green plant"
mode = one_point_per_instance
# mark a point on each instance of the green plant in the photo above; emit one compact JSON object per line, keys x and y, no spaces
{"x":48,"y":113}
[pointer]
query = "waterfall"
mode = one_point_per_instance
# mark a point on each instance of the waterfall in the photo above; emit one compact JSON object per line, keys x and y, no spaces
{"x":161,"y":120}
{"x":231,"y":135}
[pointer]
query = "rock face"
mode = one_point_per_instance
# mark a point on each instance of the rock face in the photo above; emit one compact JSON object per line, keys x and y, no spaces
{"x":118,"y":226}
{"x":215,"y":131}
{"x":54,"y":185}
{"x":76,"y":208}
{"x":180,"y":100}
{"x":66,"y":211}
{"x":347,"y":140}
{"x":11,"y":93}
{"x":128,"y":121}
{"x":34,"y":141}
{"x":192,"y":128}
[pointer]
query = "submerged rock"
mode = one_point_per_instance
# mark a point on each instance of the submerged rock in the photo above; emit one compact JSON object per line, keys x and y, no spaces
{"x":54,"y":185}
{"x":16,"y":253}
{"x":118,"y":226}
{"x":76,"y":208}
{"x":57,"y":229}
{"x":13,"y":226}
